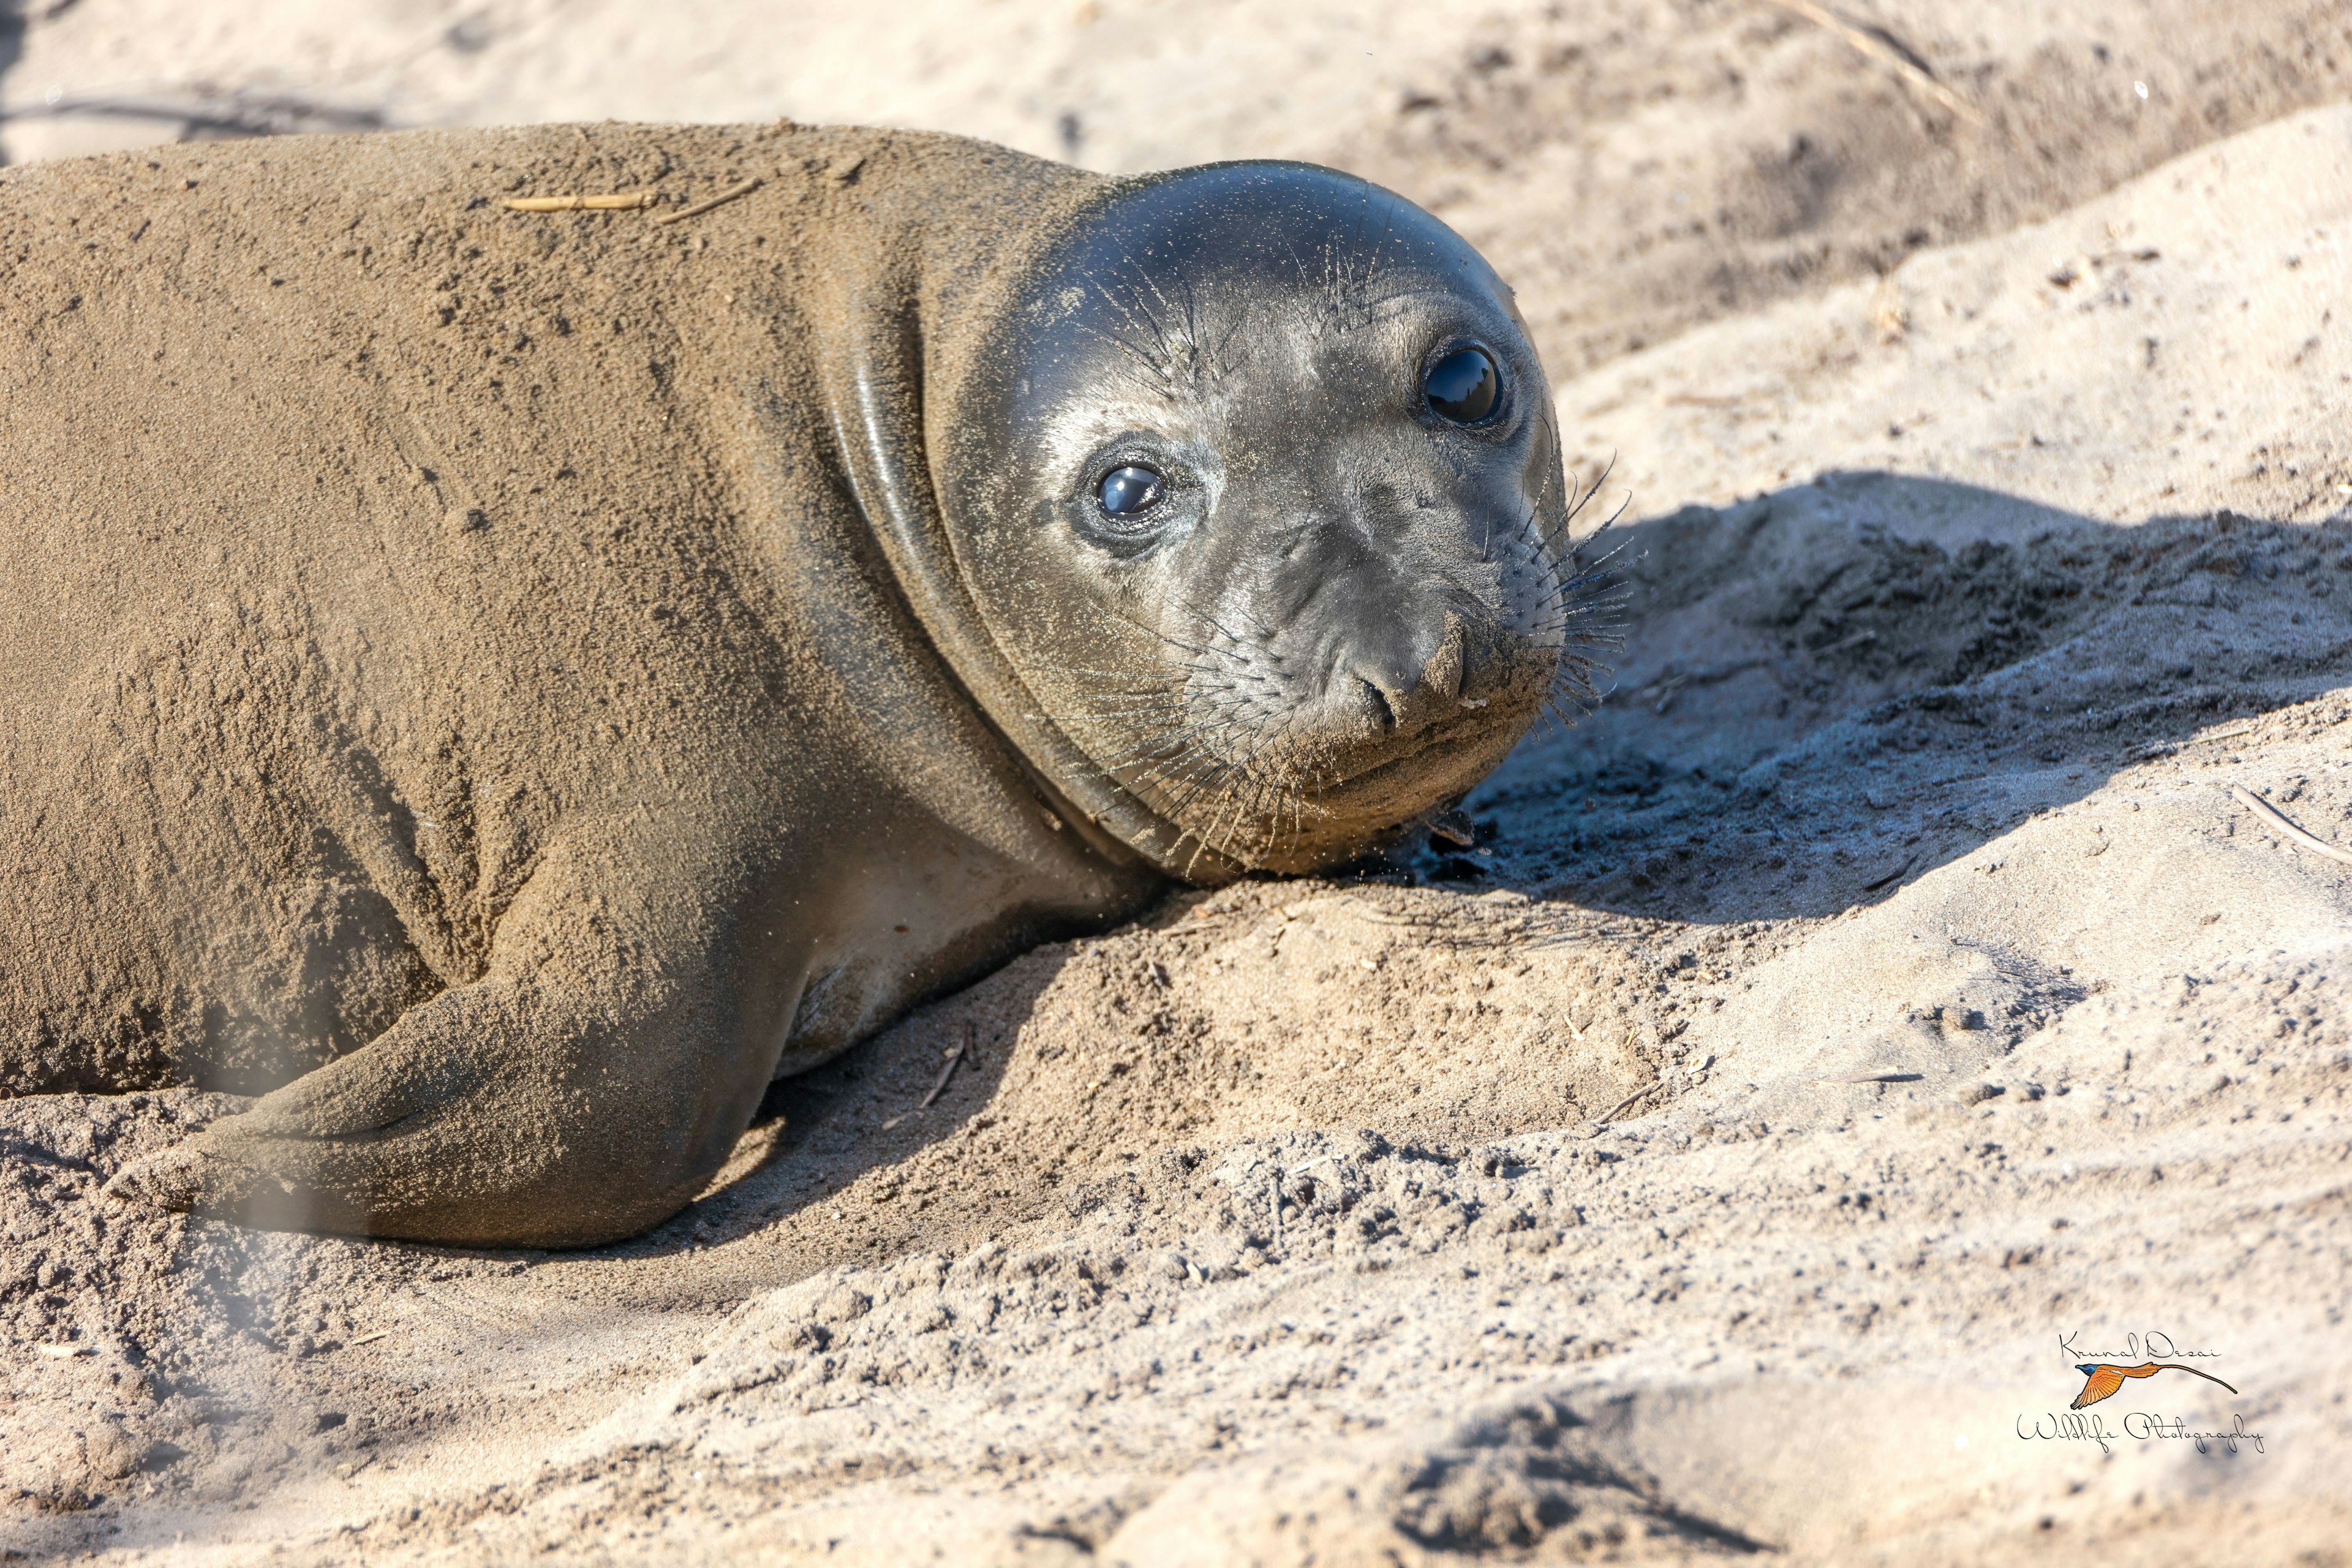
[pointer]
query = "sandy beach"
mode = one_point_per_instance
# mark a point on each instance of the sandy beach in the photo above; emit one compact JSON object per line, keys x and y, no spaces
{"x":1916,"y":980}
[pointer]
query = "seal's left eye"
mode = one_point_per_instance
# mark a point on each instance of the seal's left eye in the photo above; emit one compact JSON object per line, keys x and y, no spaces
{"x":1465,"y":387}
{"x":1126,"y":491}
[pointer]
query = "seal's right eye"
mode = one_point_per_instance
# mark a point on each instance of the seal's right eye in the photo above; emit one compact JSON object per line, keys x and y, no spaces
{"x":1465,"y":387}
{"x":1128,"y":492}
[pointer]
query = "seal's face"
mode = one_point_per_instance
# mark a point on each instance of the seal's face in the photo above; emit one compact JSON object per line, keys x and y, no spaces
{"x":1278,"y":537}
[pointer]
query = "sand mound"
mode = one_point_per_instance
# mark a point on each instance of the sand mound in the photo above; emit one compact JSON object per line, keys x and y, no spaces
{"x":1879,"y":1008}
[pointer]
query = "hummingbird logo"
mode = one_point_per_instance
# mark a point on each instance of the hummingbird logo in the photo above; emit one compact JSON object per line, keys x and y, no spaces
{"x":2101,"y":1379}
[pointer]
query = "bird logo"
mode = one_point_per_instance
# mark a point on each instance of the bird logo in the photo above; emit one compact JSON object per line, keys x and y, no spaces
{"x":2101,"y":1379}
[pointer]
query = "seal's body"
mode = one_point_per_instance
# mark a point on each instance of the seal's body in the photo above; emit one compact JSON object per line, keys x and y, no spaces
{"x":512,"y":684}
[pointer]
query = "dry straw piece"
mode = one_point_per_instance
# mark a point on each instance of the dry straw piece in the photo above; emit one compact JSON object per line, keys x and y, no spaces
{"x":955,"y":1055}
{"x":699,"y":208}
{"x":2276,"y":821}
{"x":1876,"y":42}
{"x":1622,"y":1106}
{"x":624,"y":202}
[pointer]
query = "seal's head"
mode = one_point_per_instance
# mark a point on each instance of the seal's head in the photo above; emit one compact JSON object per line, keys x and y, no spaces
{"x":1268,"y":512}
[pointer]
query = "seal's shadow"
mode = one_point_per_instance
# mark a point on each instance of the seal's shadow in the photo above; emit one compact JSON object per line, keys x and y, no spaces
{"x":1824,"y":694}
{"x":1830,"y":690}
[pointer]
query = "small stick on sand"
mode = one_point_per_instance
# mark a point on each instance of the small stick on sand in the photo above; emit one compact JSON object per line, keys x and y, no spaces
{"x":1614,"y":1111}
{"x":699,"y":208}
{"x":1874,"y":887}
{"x":368,"y":1339}
{"x":2276,"y":821}
{"x":955,"y":1055}
{"x":624,"y":202}
{"x":1870,"y":43}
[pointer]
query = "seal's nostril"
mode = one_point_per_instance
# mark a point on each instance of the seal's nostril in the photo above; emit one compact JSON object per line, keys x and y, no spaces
{"x":1383,"y":711}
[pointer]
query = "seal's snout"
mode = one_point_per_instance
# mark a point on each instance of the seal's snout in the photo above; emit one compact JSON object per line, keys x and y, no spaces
{"x":1407,"y":676}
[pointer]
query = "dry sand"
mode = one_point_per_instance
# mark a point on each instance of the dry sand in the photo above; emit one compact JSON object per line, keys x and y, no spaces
{"x":1976,"y":1027}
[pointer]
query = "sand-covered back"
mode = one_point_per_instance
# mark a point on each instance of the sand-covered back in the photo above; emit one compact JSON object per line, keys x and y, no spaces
{"x":1882,"y":1005}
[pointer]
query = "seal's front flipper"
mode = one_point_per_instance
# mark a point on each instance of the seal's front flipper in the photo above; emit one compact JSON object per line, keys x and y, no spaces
{"x":500,"y":1113}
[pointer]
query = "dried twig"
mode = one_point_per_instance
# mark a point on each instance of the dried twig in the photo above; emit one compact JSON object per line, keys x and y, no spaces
{"x":367,"y":1339}
{"x":1857,"y":640}
{"x":1874,"y":887}
{"x":1613,"y":1111}
{"x":2277,"y":822}
{"x":699,"y":208}
{"x":1871,"y":1078}
{"x":2153,"y":751}
{"x":1869,"y":42}
{"x":1670,"y":680}
{"x":623,"y":201}
{"x":955,"y":1055}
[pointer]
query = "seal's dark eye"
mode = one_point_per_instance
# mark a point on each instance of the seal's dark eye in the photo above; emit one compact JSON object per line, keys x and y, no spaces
{"x":1465,"y":387}
{"x":1131,"y":490}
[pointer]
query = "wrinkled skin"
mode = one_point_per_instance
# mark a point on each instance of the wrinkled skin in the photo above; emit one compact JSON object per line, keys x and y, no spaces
{"x":1344,"y":608}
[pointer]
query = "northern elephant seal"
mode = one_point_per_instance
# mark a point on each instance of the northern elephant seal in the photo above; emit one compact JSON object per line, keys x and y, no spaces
{"x":510,"y":685}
